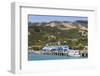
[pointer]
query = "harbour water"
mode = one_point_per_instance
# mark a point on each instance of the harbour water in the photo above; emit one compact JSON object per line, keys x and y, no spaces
{"x":34,"y":56}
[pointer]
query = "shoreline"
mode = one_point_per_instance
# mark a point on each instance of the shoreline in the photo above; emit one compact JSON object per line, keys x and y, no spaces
{"x":72,"y":54}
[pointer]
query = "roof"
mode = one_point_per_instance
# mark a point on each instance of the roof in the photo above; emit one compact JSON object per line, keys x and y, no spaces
{"x":56,"y":47}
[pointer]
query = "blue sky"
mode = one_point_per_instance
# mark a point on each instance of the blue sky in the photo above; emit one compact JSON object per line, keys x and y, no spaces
{"x":44,"y":18}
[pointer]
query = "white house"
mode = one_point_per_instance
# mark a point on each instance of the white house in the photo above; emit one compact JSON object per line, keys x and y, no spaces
{"x":59,"y":48}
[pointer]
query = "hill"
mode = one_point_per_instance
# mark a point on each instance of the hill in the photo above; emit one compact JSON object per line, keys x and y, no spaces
{"x":73,"y":34}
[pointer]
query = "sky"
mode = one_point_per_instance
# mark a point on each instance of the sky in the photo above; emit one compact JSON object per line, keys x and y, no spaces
{"x":45,"y":18}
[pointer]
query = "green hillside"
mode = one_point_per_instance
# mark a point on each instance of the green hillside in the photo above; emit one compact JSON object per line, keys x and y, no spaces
{"x":41,"y":34}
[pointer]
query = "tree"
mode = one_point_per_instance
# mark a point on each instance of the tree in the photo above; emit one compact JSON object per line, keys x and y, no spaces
{"x":80,"y":46}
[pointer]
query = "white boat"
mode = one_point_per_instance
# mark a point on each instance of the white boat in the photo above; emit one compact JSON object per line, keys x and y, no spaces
{"x":73,"y":53}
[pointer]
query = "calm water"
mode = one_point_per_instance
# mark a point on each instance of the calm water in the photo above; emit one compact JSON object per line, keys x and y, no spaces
{"x":32,"y":56}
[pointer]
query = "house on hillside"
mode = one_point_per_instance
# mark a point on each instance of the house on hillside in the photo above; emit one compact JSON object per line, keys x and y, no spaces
{"x":56,"y":48}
